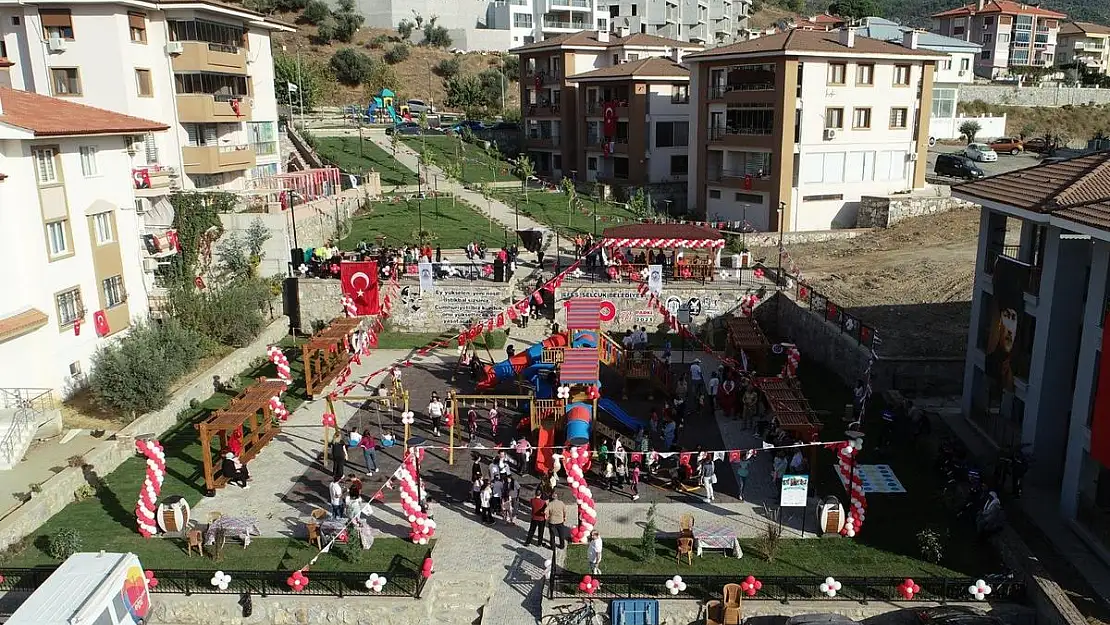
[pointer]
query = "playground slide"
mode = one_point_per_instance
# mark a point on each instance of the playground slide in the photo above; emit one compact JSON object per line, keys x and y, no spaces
{"x":507,"y":369}
{"x":393,"y":115}
{"x":620,"y":414}
{"x":545,"y":450}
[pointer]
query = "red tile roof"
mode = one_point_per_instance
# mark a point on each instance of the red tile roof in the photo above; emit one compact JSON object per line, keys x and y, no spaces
{"x":661,"y":231}
{"x":652,"y":67}
{"x":588,"y":39}
{"x":55,"y":117}
{"x":812,"y":41}
{"x":1076,"y":189}
{"x":1006,"y":7}
{"x":1084,"y":28}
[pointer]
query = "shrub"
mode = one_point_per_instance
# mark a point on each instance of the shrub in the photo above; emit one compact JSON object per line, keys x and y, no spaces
{"x":346,"y":25}
{"x":350,"y":66}
{"x":447,"y":68}
{"x":134,"y":374}
{"x":770,"y":540}
{"x":286,"y":6}
{"x":378,"y":41}
{"x":63,"y":543}
{"x":930,"y":543}
{"x":327,"y":30}
{"x":83,"y":492}
{"x":405,"y":28}
{"x":316,"y":11}
{"x":436,"y":36}
{"x":647,"y":538}
{"x":397,"y":53}
{"x":230,"y":315}
{"x":969,"y":129}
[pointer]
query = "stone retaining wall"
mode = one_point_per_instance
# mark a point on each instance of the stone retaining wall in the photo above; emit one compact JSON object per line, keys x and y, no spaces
{"x":771,"y":239}
{"x":57,"y":492}
{"x":1009,"y":95}
{"x":885,"y":211}
{"x":705,"y":301}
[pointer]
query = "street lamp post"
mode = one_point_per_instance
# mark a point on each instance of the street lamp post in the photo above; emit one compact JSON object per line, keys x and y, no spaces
{"x":435,"y":192}
{"x":782,"y":207}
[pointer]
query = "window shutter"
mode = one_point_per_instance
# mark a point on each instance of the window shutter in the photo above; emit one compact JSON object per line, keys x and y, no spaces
{"x":55,"y":17}
{"x":194,"y":134}
{"x":151,"y":148}
{"x":136,"y":20}
{"x":210,"y":136}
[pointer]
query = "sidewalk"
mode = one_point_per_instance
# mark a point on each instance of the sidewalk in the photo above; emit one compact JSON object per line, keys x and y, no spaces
{"x":35,"y":468}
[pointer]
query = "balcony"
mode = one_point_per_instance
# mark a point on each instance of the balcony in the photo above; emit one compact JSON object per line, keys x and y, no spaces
{"x":721,"y":92}
{"x":595,"y":109}
{"x":204,"y":108}
{"x":211,"y":159}
{"x":572,"y":5}
{"x":545,"y":77}
{"x":153,"y":181}
{"x":553,"y":23}
{"x":543,"y":110}
{"x":618,"y":145}
{"x":1013,"y":252}
{"x":199,"y":56}
{"x":543,"y":141}
{"x":740,"y":179}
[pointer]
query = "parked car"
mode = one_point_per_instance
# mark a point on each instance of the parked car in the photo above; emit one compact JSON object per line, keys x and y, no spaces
{"x":404,"y":128}
{"x":473,"y":124}
{"x":505,"y":126}
{"x":980,"y":152}
{"x":958,"y":166}
{"x":1036,"y":144}
{"x":1007,"y":145}
{"x":417,"y":107}
{"x":955,"y":615}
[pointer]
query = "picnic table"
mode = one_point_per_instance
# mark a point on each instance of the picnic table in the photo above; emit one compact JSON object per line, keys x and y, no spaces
{"x":716,"y":537}
{"x":332,"y":528}
{"x":243,"y":527}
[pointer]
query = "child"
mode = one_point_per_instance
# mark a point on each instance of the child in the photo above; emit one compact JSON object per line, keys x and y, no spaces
{"x":472,"y":423}
{"x":493,"y":417}
{"x":635,"y":481}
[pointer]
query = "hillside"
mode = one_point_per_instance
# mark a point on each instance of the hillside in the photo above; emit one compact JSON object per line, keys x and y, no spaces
{"x":917,"y":12}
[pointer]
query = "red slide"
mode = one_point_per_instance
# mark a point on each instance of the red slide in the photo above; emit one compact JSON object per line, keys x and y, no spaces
{"x":545,"y":450}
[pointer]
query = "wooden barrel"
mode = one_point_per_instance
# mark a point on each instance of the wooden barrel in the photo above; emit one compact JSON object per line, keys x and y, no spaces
{"x":173,"y":514}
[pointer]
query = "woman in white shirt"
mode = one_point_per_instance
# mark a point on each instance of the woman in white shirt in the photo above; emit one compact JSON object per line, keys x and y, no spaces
{"x":594,"y":549}
{"x":435,"y":413}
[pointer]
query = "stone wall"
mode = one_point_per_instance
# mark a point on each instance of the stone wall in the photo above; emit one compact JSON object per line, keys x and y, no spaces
{"x":705,"y":301}
{"x":771,"y":239}
{"x":1010,"y":95}
{"x":885,"y":211}
{"x":57,"y":492}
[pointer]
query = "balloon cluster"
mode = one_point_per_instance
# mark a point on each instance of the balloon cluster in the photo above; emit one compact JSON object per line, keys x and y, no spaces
{"x":298,"y":581}
{"x":278,"y":409}
{"x":408,"y":417}
{"x":908,"y":589}
{"x":578,"y":458}
{"x":793,"y":359}
{"x":151,"y":580}
{"x":152,"y":485}
{"x":276,"y":356}
{"x":750,"y":585}
{"x":375,"y":582}
{"x":830,"y":586}
{"x":748,"y":304}
{"x":593,"y":392}
{"x":220,"y":580}
{"x":349,"y":306}
{"x":328,"y":420}
{"x":980,"y":589}
{"x":427,"y":568}
{"x":589,"y":585}
{"x":563,"y":392}
{"x":675,"y":585}
{"x":422,"y":528}
{"x":857,"y":502}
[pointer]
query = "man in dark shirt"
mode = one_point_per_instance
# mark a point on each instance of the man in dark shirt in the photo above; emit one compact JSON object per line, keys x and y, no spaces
{"x":538,"y":519}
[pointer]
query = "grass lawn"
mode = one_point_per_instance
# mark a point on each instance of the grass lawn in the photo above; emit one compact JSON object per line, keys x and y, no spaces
{"x":795,"y":557}
{"x":551,"y":209}
{"x":344,"y":153}
{"x":477,"y":165}
{"x":454,"y":225}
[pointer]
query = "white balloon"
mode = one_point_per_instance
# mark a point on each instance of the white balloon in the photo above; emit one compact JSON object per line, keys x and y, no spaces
{"x":831,"y":593}
{"x":824,"y":587}
{"x":423,"y":541}
{"x":670,"y":584}
{"x":674,"y":591}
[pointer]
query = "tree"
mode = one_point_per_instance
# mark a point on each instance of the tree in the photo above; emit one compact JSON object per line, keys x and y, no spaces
{"x":436,"y":36}
{"x":308,"y":78}
{"x":405,"y":28}
{"x":448,"y":67}
{"x":396,"y":54}
{"x":240,"y":253}
{"x":347,"y":21}
{"x":510,"y":66}
{"x":1028,"y":130}
{"x":326,"y":30}
{"x":969,"y":129}
{"x":572,"y":197}
{"x":493,"y":87}
{"x":378,"y":76}
{"x":854,"y":9}
{"x":465,"y":92}
{"x":316,"y":11}
{"x":525,"y":168}
{"x":647,"y":538}
{"x":351,"y":67}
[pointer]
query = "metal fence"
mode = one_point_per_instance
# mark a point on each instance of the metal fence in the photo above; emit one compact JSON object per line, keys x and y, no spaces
{"x":1004,"y":587}
{"x":834,"y":313}
{"x":403,"y":579}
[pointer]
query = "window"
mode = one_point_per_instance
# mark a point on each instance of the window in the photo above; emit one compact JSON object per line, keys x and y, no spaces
{"x":672,"y":134}
{"x":823,"y":198}
{"x":591,"y":163}
{"x":834,"y":118}
{"x":66,"y":81}
{"x":861,"y":118}
{"x":75,"y":369}
{"x":680,"y":94}
{"x":620,"y":168}
{"x":965,"y":64}
{"x":143,"y":85}
{"x":901,"y":75}
{"x":1003,"y":37}
{"x":714,"y":194}
{"x":756,"y":119}
{"x":987,"y":38}
{"x":946,"y":64}
{"x":56,"y":237}
{"x":748,"y":198}
{"x":222,"y":86}
{"x":679,"y":165}
{"x":633,"y":57}
{"x":865,"y":74}
{"x":114,"y":294}
{"x":262,"y":138}
{"x":899,"y":117}
{"x":958,"y":30}
{"x":602,"y":24}
{"x":136,"y":23}
{"x":88,"y":161}
{"x":522,"y":20}
{"x":102,"y":223}
{"x":44,"y":166}
{"x":837,"y":72}
{"x":986,"y":55}
{"x":988,"y":21}
{"x":69,"y":306}
{"x":201,"y":134}
{"x":859,"y":166}
{"x":222,"y":36}
{"x":56,"y":23}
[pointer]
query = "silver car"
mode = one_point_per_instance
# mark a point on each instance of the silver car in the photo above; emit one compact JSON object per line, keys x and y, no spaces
{"x":981,"y":152}
{"x":420,"y":106}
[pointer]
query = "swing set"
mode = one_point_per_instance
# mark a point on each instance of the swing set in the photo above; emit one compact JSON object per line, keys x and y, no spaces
{"x":456,"y":402}
{"x":384,"y":401}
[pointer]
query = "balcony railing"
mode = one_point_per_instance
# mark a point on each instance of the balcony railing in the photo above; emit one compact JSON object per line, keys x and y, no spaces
{"x":577,"y":4}
{"x":717,"y":92}
{"x":739,"y":176}
{"x":572,"y":25}
{"x":546,"y":77}
{"x":718,"y":133}
{"x":596,"y":108}
{"x":1013,"y":252}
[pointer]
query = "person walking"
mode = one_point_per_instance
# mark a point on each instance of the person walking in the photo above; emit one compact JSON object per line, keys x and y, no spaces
{"x":498,"y":492}
{"x":556,"y":514}
{"x":708,"y":477}
{"x":696,"y":385}
{"x":713,"y":386}
{"x":750,"y":399}
{"x":538,"y":520}
{"x":743,"y":470}
{"x":435,"y":413}
{"x":485,"y":499}
{"x":472,"y":423}
{"x":338,"y":457}
{"x":594,"y":549}
{"x":493,"y":423}
{"x":336,"y":497}
{"x":634,"y":480}
{"x":369,"y":446}
{"x":508,"y":499}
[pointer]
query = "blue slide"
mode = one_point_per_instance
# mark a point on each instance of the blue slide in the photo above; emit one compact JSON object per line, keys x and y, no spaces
{"x":620,"y":414}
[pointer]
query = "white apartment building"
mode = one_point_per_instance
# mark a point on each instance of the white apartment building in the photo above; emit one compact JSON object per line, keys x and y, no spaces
{"x":67,"y":221}
{"x":202,"y":68}
{"x":1084,"y":43}
{"x":790,"y":130}
{"x":1011,"y":33}
{"x":698,"y":21}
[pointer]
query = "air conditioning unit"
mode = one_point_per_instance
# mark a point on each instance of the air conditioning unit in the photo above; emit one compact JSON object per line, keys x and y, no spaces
{"x":174,"y":47}
{"x":912,"y":157}
{"x":56,"y":44}
{"x":150,"y":264}
{"x":962,"y":72}
{"x":830,"y":134}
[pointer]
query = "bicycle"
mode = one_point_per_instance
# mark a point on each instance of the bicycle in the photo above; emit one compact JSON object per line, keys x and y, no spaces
{"x":582,"y":615}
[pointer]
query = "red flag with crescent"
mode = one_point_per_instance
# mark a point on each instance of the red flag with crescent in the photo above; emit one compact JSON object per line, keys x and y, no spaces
{"x":609,"y":115}
{"x":360,"y":282}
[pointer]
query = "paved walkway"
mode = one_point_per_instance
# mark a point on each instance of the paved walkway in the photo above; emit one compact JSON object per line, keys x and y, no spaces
{"x":43,"y":460}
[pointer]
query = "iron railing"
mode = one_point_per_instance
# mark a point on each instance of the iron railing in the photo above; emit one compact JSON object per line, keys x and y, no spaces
{"x":1033,"y":285}
{"x":1004,"y":587}
{"x":29,"y":405}
{"x":822,"y":306}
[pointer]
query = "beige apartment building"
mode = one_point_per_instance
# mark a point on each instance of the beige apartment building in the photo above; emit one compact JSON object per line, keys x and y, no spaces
{"x":1084,"y":43}
{"x":1011,"y":33}
{"x":790,"y":130}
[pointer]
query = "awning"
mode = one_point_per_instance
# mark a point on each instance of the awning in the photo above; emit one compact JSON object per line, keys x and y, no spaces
{"x":18,"y":324}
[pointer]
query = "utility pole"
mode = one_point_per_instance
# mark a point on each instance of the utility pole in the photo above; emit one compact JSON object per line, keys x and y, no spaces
{"x":782,"y":208}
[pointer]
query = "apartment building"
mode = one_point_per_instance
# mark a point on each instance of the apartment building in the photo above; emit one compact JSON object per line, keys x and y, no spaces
{"x":66,"y":188}
{"x":204,"y":69}
{"x":556,"y":115}
{"x":532,"y":21}
{"x":700,"y":21}
{"x":1038,"y":331}
{"x":1086,"y":44}
{"x":1011,"y":33}
{"x":790,"y":130}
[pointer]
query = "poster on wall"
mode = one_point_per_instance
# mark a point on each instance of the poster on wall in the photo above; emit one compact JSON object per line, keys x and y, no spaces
{"x":1010,"y":278}
{"x":655,"y":279}
{"x":1100,"y":420}
{"x":427,"y":284}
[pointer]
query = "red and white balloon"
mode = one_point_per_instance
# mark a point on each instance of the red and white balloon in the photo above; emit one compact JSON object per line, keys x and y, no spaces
{"x":152,"y":486}
{"x":980,"y":589}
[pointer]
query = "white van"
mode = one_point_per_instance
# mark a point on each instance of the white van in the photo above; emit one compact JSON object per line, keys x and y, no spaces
{"x":89,"y":589}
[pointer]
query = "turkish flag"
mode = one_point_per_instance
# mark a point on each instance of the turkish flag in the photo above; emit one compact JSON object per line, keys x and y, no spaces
{"x":609,"y":114}
{"x":360,"y":283}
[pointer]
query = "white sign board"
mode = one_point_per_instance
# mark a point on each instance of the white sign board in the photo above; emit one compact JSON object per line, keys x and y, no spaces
{"x":795,"y":491}
{"x":427,"y":284}
{"x":655,"y":279}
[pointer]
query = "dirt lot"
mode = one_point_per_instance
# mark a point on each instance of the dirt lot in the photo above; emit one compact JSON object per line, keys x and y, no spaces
{"x":912,"y":281}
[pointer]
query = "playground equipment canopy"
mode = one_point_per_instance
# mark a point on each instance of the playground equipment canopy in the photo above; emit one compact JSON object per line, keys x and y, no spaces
{"x":663,"y":236}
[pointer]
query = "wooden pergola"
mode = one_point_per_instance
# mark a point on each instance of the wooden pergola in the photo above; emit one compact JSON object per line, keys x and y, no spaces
{"x":785,"y":399}
{"x":745,"y":335}
{"x":250,"y":410}
{"x":326,"y":353}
